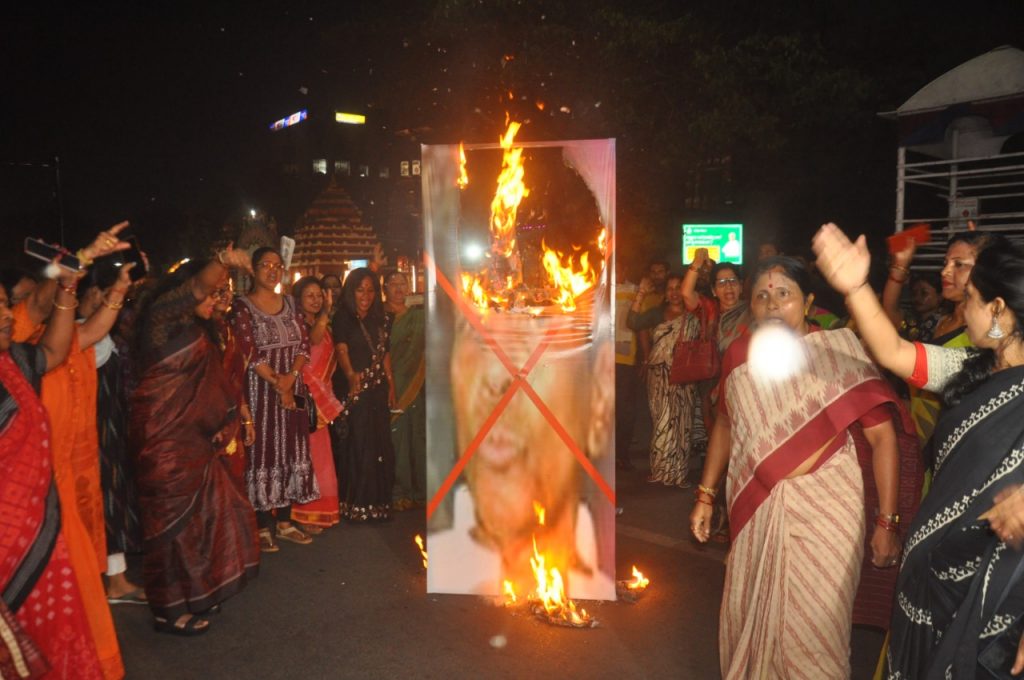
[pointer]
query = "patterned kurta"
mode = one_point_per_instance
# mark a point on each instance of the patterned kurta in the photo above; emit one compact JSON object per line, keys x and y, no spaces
{"x":279,"y":471}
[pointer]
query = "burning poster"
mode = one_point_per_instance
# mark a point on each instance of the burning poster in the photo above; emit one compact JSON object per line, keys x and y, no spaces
{"x":520,"y":366}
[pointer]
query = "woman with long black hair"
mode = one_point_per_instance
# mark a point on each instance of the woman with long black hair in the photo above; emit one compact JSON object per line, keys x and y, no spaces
{"x":366,"y":457}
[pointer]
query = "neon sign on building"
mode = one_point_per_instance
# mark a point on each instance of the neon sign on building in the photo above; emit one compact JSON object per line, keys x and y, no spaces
{"x":293,"y":119}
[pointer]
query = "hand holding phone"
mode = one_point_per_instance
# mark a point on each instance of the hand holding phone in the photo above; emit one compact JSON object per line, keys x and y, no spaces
{"x":46,"y":252}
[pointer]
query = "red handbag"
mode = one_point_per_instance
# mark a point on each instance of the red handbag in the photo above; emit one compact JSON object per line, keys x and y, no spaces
{"x":696,"y":360}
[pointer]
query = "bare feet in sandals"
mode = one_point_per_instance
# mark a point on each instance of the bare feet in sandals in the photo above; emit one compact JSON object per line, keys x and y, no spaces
{"x":187,"y":625}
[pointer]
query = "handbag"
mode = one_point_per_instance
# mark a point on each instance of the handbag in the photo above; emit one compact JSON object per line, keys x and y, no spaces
{"x":304,"y":402}
{"x":696,"y":360}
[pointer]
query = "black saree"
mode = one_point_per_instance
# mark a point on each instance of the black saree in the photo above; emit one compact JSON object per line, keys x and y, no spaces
{"x":960,"y":589}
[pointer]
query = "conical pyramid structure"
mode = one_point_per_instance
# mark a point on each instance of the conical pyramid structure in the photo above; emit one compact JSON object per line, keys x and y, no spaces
{"x":332,"y":232}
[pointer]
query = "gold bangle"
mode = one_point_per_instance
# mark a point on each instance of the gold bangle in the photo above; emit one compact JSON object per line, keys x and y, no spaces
{"x":246,"y":422}
{"x":62,"y":307}
{"x":707,"y":489}
{"x":83,"y":259}
{"x":114,"y":306}
{"x":899,"y":267}
{"x":70,"y":290}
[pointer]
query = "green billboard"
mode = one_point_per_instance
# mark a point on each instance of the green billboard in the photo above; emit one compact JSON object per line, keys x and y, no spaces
{"x":723,"y":241}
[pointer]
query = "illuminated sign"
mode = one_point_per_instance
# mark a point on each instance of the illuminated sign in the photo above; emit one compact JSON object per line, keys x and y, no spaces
{"x":723,"y":241}
{"x":349,"y":118}
{"x":293,"y":119}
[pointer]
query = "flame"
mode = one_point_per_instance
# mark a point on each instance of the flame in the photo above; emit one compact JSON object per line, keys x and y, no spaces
{"x":602,"y":241}
{"x":277,"y":288}
{"x":463,"y":181}
{"x":639,"y":581}
{"x":569,"y":280}
{"x":475,"y":288}
{"x":296,"y":276}
{"x":510,"y":592}
{"x":510,"y":193}
{"x":550,"y":592}
{"x":423,"y":549}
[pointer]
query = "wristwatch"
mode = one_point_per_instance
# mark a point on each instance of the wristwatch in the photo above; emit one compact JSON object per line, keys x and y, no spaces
{"x":295,"y":373}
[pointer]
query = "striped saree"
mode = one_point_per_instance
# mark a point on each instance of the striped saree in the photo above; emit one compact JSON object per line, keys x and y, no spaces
{"x":797,"y":542}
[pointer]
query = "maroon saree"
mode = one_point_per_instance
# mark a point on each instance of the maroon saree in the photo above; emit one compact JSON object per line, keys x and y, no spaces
{"x":198,"y":526}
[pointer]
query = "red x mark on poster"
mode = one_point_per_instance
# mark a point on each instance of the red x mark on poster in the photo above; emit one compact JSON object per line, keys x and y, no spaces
{"x":519,"y":382}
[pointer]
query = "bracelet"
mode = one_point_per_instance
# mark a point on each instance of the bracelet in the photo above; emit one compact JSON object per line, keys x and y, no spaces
{"x":115,"y":306}
{"x":899,"y":267}
{"x":707,"y":489}
{"x":83,"y":259}
{"x":295,"y":373}
{"x":246,"y":422}
{"x":62,"y":307}
{"x":70,"y":290}
{"x":705,"y":502}
{"x":897,"y":281}
{"x":888,"y":522}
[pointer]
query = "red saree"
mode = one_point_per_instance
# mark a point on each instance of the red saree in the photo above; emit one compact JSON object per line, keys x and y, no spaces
{"x":199,"y":529}
{"x":38,"y":582}
{"x":797,"y":542}
{"x":316,"y":375}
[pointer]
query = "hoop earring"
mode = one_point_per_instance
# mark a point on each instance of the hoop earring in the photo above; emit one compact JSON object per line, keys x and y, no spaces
{"x":996,"y":333}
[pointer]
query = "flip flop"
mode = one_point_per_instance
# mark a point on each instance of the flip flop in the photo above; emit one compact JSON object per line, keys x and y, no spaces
{"x":188,"y":629}
{"x":136,"y":596}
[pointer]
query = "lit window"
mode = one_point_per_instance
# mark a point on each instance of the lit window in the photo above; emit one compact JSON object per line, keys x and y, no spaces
{"x":342,"y":168}
{"x":320,"y":166}
{"x":416,"y":168}
{"x":404,"y":168}
{"x":364,"y":170}
{"x":385,"y":172}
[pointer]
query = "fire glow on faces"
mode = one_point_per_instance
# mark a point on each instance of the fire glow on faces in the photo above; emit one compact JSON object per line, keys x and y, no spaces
{"x":396,"y":288}
{"x":269,"y":270}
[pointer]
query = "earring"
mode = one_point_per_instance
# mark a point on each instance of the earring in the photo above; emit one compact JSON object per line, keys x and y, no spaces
{"x":996,"y":333}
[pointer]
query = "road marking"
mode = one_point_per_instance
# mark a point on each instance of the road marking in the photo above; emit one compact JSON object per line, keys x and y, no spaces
{"x":684,"y":545}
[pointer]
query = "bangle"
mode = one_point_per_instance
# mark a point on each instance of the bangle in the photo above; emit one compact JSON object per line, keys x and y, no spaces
{"x":246,"y":422}
{"x":707,"y":489}
{"x":705,"y":502}
{"x":83,"y":259}
{"x":115,"y":306}
{"x":897,"y":281}
{"x":69,"y":307}
{"x":70,"y":290}
{"x":888,"y":522}
{"x":899,"y":267}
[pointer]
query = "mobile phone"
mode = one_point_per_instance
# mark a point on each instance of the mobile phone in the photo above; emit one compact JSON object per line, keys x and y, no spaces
{"x":133,"y":256}
{"x":51,"y":253}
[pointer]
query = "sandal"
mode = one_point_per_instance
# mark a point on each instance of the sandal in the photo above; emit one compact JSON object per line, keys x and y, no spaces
{"x":134,"y":596}
{"x":291,"y":533}
{"x":215,"y":609}
{"x":312,"y":529}
{"x":267,"y":544}
{"x":192,"y":626}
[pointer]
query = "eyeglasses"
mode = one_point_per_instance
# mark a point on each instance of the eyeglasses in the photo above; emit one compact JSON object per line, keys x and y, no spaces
{"x":733,"y":281}
{"x":272,"y":266}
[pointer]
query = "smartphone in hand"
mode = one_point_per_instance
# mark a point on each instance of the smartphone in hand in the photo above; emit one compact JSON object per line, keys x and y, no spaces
{"x":46,"y":252}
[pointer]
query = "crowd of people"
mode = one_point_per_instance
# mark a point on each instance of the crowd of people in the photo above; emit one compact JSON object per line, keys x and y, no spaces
{"x":875,"y":478}
{"x":878,"y":481}
{"x":172,"y":417}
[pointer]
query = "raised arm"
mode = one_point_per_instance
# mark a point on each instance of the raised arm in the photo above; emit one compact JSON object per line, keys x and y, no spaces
{"x":899,"y":272}
{"x":691,"y":298}
{"x":103,"y":319}
{"x":845,"y":265}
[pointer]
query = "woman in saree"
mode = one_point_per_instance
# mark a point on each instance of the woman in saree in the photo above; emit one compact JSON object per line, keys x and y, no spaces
{"x":794,"y":489}
{"x":949,"y":329}
{"x":44,"y":547}
{"x":672,"y":406}
{"x":960,"y":592}
{"x":409,"y":417}
{"x":366,"y":460}
{"x":315,"y":303}
{"x":199,"y":533}
{"x":273,"y":340}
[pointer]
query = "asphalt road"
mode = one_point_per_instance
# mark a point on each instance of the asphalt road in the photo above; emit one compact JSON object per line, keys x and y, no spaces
{"x":354,"y":605}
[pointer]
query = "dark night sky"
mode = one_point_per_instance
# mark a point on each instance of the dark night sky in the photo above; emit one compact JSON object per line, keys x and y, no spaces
{"x":154,"y":109}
